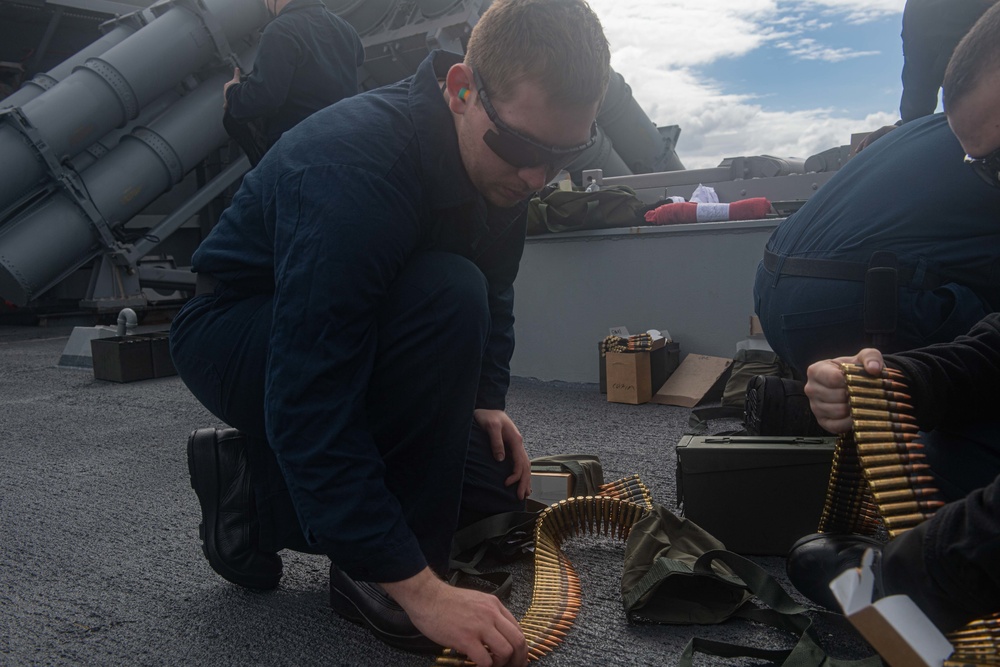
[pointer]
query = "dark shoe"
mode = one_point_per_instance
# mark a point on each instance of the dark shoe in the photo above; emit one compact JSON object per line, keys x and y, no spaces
{"x":368,"y":604}
{"x":220,"y":476}
{"x":816,"y":560}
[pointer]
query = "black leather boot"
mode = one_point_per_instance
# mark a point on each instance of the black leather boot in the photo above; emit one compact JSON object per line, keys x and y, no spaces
{"x":369,"y":605}
{"x":779,"y":406}
{"x":816,"y":560}
{"x":220,"y":476}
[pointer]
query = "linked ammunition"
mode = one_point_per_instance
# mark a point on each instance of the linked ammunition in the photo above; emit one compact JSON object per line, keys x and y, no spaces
{"x":884,"y":426}
{"x":876,"y":383}
{"x":888,"y":447}
{"x":900,"y":482}
{"x":881,"y":404}
{"x":880,"y":415}
{"x":909,"y":469}
{"x":878,"y":394}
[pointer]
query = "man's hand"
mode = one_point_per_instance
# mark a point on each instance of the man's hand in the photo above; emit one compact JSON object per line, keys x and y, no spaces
{"x":469,"y":621}
{"x":827,"y":388}
{"x":872,"y":136}
{"x":505,"y":436}
{"x":225,"y":89}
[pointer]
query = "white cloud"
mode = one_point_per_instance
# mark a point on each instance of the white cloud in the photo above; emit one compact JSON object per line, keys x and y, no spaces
{"x":657,"y":45}
{"x":808,"y":48}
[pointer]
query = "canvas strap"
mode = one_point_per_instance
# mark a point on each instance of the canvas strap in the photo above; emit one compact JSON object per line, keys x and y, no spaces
{"x":781,"y":612}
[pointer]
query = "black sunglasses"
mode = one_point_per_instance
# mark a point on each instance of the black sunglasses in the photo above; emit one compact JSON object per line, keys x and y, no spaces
{"x":987,"y":167}
{"x":520,"y":151}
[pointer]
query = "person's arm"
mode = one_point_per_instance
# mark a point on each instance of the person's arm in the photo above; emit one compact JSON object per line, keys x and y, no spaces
{"x":471,"y":622}
{"x":500,"y":265}
{"x":921,"y":83}
{"x":873,"y":136}
{"x":949,"y":565}
{"x":235,"y":81}
{"x":922,"y":73}
{"x":266,"y":89}
{"x":506,"y":439}
{"x":953,"y":380}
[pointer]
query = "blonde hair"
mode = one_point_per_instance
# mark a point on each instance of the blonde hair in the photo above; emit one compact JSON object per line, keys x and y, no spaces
{"x":558,"y":44}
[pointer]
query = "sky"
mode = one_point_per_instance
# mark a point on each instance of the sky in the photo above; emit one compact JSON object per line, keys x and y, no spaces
{"x":758,"y":77}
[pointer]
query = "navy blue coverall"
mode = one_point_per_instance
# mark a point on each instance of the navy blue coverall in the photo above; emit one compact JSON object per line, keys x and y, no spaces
{"x":908,"y":193}
{"x":950,"y":564}
{"x":307,"y":59}
{"x":364,"y":310}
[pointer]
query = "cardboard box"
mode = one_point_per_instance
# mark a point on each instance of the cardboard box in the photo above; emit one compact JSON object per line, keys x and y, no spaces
{"x":629,"y":377}
{"x":122,"y":358}
{"x":551,"y":487}
{"x":755,"y":494}
{"x":696,"y":378}
{"x":131,"y":358}
{"x":159,"y":349}
{"x":894,"y":625}
{"x":663,"y":361}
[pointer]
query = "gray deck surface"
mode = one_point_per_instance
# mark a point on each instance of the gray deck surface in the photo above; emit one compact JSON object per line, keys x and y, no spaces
{"x":100,"y":562}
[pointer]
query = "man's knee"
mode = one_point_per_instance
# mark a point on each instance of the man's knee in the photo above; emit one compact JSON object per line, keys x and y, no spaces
{"x":452,"y":291}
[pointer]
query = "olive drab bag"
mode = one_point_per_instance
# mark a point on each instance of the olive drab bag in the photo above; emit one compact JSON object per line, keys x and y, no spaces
{"x":748,"y":364}
{"x":555,"y":210}
{"x":509,"y":535}
{"x":585,"y":471}
{"x":659,"y":582}
{"x":677,"y":573}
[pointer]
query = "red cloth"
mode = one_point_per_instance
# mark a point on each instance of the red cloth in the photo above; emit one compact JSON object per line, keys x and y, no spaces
{"x":673,"y":214}
{"x":749,"y":209}
{"x":685,"y":212}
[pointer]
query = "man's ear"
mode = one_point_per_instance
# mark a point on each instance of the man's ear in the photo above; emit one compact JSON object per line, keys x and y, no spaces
{"x":460,"y":87}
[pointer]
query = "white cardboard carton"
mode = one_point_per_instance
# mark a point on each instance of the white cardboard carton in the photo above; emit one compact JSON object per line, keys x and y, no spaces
{"x":894,"y":625}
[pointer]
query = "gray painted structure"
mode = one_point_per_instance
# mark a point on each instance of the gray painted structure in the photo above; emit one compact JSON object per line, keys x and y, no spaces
{"x":109,"y":90}
{"x":693,"y":280}
{"x":43,"y":81}
{"x":86,"y":146}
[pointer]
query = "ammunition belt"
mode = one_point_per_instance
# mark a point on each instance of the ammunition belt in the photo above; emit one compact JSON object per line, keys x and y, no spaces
{"x":556,"y":595}
{"x":880,"y":482}
{"x":635,"y":343}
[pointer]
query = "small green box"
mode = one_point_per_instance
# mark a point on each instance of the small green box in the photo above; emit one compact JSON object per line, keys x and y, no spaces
{"x":159,"y":348}
{"x":122,"y":358}
{"x":756,"y":494}
{"x":130,"y":358}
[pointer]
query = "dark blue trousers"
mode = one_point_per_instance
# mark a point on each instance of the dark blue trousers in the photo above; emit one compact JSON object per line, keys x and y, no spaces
{"x":806,"y":320}
{"x":432,"y":329}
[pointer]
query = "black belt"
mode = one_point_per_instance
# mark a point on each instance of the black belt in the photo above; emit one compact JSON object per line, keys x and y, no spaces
{"x":205,"y":283}
{"x":841,"y":270}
